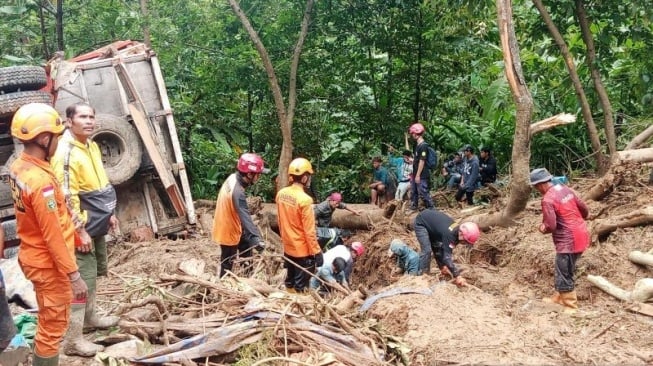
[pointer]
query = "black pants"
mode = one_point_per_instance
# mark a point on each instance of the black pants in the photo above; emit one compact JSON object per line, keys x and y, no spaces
{"x":462,"y":192}
{"x":7,"y":327}
{"x":565,"y":267}
{"x":229,"y":253}
{"x":295,"y":277}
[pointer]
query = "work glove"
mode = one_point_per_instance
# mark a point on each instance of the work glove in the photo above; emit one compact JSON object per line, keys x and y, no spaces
{"x":460,"y":281}
{"x":260,"y":247}
{"x":319,"y":259}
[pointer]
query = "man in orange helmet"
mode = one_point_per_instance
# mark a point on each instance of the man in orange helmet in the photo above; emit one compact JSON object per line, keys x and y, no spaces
{"x":233,"y":228}
{"x":302,"y":253}
{"x":45,"y":227}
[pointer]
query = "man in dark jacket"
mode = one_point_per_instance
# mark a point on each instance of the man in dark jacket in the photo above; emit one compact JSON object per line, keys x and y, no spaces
{"x":487,"y":166}
{"x":437,"y":233}
{"x":467,"y":184}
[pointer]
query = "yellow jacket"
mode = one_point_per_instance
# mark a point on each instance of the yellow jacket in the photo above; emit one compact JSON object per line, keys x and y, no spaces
{"x":297,"y":222}
{"x":86,"y":172}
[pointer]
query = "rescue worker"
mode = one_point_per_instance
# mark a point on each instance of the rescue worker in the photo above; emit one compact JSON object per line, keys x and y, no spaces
{"x":407,"y":260}
{"x":233,"y":228}
{"x":325,"y":209}
{"x":404,"y":171}
{"x":469,"y":179}
{"x":332,"y":276}
{"x":329,"y":238}
{"x":437,"y":233}
{"x":563,"y":215}
{"x":301,"y":251}
{"x":349,"y":253}
{"x":77,"y":164}
{"x":421,"y":183}
{"x":45,"y":227}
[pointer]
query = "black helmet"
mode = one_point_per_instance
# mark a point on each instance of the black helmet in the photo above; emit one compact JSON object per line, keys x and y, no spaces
{"x":339,"y":265}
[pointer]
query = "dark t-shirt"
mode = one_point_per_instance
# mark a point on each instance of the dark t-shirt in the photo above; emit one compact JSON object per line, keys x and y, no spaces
{"x":421,"y":152}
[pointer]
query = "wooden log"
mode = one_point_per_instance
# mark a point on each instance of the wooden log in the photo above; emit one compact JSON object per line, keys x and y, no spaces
{"x":638,"y":257}
{"x":371,"y":216}
{"x":346,"y":304}
{"x":551,"y":122}
{"x":643,"y":216}
{"x":642,"y":292}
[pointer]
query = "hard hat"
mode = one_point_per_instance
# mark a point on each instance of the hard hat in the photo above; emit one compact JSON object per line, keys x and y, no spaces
{"x":358,"y":248}
{"x":335,"y":196}
{"x":339,"y":265}
{"x":251,"y":163}
{"x":416,"y":128}
{"x":540,"y":175}
{"x":33,"y":119}
{"x":470,"y":232}
{"x":300,"y":166}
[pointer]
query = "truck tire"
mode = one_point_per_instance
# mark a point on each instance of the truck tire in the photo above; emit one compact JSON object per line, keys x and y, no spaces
{"x":22,"y":78}
{"x":120,"y":145}
{"x":9,"y":103}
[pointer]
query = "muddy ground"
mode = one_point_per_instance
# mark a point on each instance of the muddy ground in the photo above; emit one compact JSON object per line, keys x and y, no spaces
{"x":501,"y":320}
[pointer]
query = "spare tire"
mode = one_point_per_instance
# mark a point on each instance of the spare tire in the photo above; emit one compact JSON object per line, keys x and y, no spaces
{"x":23,"y":78}
{"x":120,"y":145}
{"x":9,"y":103}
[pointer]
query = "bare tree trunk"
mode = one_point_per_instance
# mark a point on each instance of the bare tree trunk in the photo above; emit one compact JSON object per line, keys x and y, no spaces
{"x":640,"y":139}
{"x":59,"y":25}
{"x":578,"y":87}
{"x":46,"y":50}
{"x":284,"y":115}
{"x":596,"y":78}
{"x":521,"y":149}
{"x":146,"y":24}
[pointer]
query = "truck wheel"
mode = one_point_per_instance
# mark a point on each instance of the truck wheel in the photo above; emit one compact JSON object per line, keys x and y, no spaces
{"x":120,"y":145}
{"x":23,"y":78}
{"x":9,"y":103}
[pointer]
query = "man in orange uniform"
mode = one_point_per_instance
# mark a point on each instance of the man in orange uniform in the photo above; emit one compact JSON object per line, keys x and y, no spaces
{"x":45,"y":228}
{"x":302,"y":253}
{"x":233,"y":228}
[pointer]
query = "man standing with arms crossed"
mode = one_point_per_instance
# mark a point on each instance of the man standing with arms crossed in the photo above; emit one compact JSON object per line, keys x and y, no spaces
{"x":92,"y":199}
{"x":233,"y":228}
{"x":301,"y":250}
{"x":45,"y":227}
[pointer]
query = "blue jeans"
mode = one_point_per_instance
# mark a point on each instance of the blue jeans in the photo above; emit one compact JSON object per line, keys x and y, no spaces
{"x":454,"y":180}
{"x":421,"y":191}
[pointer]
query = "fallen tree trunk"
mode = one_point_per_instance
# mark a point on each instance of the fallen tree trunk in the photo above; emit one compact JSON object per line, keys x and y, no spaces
{"x":615,"y":175}
{"x":603,"y":227}
{"x":370,"y":216}
{"x":638,"y":257}
{"x":642,"y":292}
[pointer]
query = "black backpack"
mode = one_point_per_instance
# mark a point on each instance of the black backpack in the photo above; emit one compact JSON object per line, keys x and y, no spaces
{"x":432,"y":158}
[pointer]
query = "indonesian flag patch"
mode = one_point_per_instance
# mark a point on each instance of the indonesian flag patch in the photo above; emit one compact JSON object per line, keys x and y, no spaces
{"x":48,"y":194}
{"x":48,"y":191}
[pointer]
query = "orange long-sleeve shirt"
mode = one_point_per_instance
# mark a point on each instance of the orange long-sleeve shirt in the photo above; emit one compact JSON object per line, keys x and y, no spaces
{"x":297,"y":222}
{"x":44,"y":225}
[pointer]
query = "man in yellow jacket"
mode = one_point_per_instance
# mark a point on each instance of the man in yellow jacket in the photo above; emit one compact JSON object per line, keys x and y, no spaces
{"x":302,"y":253}
{"x":92,"y":199}
{"x":233,"y":228}
{"x":45,"y":228}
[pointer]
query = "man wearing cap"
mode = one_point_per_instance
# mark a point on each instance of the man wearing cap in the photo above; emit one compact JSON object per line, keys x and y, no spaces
{"x":467,"y":184}
{"x":404,"y":171}
{"x":325,"y":209}
{"x":563,"y":215}
{"x":436,"y":232}
{"x":233,"y":228}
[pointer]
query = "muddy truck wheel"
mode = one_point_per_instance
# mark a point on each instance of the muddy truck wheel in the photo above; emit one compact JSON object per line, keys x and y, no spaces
{"x":9,"y":103}
{"x":120,"y":145}
{"x":23,"y":78}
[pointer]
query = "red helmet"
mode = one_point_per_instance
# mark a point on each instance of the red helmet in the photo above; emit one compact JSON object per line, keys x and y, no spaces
{"x":416,"y":128}
{"x":335,"y":196}
{"x":470,"y":232}
{"x":251,"y":163}
{"x":358,"y":248}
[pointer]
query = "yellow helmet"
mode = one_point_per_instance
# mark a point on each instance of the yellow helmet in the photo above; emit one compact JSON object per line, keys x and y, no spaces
{"x":33,"y":119}
{"x":300,"y":166}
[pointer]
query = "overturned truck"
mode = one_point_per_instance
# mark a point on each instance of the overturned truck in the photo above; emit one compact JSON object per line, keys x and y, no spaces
{"x":135,"y":132}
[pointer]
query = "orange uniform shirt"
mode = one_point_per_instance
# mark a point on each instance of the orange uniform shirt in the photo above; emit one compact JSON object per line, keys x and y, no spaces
{"x":44,"y":225}
{"x":297,"y":222}
{"x":226,"y":223}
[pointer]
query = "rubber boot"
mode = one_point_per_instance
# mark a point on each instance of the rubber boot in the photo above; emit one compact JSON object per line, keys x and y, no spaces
{"x":570,"y":301}
{"x":74,"y":343}
{"x":555,"y":299}
{"x":92,"y":320}
{"x":45,"y":361}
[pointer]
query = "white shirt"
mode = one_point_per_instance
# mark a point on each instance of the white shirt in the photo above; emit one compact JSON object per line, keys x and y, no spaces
{"x":335,"y":252}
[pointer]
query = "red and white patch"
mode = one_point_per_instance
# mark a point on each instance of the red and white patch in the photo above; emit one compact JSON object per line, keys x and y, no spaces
{"x":48,"y":191}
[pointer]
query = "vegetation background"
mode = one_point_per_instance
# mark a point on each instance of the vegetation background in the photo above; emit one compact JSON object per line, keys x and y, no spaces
{"x":368,"y":69}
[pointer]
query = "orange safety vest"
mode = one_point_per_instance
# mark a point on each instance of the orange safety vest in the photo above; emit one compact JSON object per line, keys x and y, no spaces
{"x":297,"y":222}
{"x":44,"y":224}
{"x":227,"y":229}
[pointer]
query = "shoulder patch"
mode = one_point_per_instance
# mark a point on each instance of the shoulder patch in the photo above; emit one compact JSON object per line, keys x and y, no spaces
{"x":51,"y":204}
